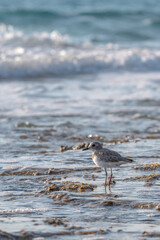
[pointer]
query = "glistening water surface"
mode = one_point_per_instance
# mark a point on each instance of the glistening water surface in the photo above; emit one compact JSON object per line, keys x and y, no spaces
{"x":41,"y":188}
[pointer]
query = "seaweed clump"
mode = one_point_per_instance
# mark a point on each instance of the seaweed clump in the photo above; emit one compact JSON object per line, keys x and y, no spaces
{"x":149,"y":205}
{"x":71,"y":187}
{"x":144,"y":177}
{"x":151,"y":166}
{"x":77,"y":187}
{"x":152,"y":234}
{"x":158,"y":207}
{"x":56,"y":221}
{"x":53,"y":187}
{"x":124,"y":139}
{"x":110,"y":203}
{"x":22,"y":173}
{"x":80,"y":146}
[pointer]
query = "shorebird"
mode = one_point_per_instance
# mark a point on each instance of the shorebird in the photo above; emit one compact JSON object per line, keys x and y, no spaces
{"x":106,"y":158}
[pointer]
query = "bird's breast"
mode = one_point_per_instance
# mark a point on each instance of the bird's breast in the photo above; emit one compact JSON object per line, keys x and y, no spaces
{"x":97,"y":160}
{"x":94,"y":158}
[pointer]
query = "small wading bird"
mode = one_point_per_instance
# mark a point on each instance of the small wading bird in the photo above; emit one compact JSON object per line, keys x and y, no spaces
{"x":106,"y":158}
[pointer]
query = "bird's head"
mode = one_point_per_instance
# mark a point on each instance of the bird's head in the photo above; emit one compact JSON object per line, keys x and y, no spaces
{"x":93,"y":146}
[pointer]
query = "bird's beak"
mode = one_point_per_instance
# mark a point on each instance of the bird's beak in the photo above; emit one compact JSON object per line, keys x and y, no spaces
{"x":84,"y":149}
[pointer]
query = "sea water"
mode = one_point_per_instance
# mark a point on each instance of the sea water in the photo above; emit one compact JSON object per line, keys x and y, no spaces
{"x":72,"y":72}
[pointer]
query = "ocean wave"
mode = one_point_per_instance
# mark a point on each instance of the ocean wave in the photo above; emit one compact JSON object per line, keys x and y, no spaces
{"x":111,"y":13}
{"x":31,"y":13}
{"x":56,"y":14}
{"x":49,"y":54}
{"x":11,"y":38}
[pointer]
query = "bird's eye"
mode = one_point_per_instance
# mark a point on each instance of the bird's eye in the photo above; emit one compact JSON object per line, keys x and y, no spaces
{"x":93,"y":145}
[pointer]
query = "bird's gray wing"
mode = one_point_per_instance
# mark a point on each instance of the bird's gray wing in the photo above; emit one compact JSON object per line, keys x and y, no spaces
{"x":112,"y":156}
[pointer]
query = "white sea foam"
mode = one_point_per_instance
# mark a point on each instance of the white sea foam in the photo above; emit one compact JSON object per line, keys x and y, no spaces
{"x":49,"y":54}
{"x":22,"y":210}
{"x":6,"y":161}
{"x":11,"y":167}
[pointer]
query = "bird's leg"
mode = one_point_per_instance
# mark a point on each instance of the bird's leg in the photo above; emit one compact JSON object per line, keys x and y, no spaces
{"x":105,"y":179}
{"x":111,"y":173}
{"x":110,"y":177}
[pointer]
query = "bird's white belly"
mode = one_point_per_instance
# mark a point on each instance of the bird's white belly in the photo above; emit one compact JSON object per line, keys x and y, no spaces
{"x":104,"y":164}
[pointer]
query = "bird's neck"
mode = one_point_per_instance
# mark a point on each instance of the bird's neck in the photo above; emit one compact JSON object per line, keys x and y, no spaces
{"x":94,"y":151}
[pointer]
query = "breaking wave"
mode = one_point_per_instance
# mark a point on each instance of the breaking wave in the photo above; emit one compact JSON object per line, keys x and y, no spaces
{"x":49,"y":54}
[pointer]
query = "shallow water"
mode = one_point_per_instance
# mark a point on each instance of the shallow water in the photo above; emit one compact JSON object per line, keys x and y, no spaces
{"x":37,"y":117}
{"x":73,"y":72}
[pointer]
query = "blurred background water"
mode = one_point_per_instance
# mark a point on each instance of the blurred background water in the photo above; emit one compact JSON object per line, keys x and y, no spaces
{"x":40,"y":38}
{"x":73,"y":72}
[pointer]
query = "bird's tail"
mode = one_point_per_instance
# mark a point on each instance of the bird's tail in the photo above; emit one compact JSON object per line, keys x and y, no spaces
{"x":129,"y":160}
